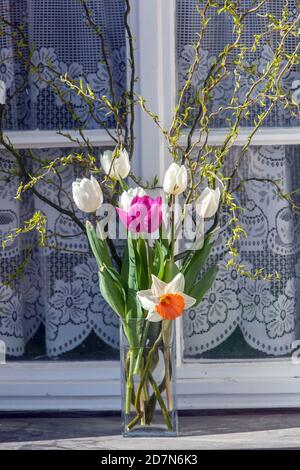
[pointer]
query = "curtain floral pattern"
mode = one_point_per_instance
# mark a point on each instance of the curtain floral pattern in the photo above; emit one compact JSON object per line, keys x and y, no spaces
{"x":59,"y":42}
{"x":219,"y":33}
{"x":265,"y":313}
{"x":60,"y":287}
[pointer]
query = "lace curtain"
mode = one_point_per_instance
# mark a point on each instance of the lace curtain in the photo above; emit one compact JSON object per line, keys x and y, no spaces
{"x":62,"y":43}
{"x":241,"y":317}
{"x":218,"y":34}
{"x":265,"y":313}
{"x":60,"y":287}
{"x":59,"y":293}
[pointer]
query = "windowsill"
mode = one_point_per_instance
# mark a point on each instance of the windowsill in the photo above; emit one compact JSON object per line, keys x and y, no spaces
{"x":230,"y":430}
{"x":100,"y":138}
{"x":52,"y":139}
{"x":264,"y":136}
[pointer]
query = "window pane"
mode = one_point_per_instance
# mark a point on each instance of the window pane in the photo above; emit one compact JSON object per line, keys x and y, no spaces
{"x":61,"y":43}
{"x":55,"y":310}
{"x":239,"y":317}
{"x":218,"y":35}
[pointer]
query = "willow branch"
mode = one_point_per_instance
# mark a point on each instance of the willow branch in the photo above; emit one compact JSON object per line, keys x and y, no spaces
{"x":132,"y":78}
{"x":286,"y":196}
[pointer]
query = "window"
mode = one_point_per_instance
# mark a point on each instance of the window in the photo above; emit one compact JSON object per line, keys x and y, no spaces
{"x":224,"y":372}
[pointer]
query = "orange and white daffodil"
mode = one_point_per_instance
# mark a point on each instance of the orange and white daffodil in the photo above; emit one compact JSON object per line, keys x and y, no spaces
{"x":165,"y":301}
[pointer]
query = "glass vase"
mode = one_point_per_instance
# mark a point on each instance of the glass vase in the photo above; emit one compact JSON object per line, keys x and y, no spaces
{"x":148,"y":378}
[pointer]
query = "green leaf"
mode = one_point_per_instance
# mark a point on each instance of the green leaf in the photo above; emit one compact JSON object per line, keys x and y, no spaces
{"x":196,"y":263}
{"x":142,"y":267}
{"x":117,"y":278}
{"x":163,"y":236}
{"x":133,"y":311}
{"x":154,"y":331}
{"x":132,"y":275}
{"x":171,"y":270}
{"x":98,"y":246}
{"x":159,"y":255}
{"x":133,"y":307}
{"x":201,"y":287}
{"x":154,"y":360}
{"x":112,"y":292}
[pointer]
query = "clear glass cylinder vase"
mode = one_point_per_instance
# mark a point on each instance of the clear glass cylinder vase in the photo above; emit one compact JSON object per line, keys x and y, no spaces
{"x":148,"y":378}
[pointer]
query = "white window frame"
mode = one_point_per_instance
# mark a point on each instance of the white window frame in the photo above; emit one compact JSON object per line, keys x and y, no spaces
{"x":209,"y":384}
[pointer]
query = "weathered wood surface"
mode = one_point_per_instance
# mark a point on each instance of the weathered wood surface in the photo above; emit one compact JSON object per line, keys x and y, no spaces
{"x":275,"y":430}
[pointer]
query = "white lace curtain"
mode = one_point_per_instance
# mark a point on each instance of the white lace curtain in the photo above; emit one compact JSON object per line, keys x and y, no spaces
{"x":266,"y":314}
{"x":62,"y":43}
{"x":60,"y":287}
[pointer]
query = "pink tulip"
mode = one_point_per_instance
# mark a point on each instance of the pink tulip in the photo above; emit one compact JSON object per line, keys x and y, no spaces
{"x":144,"y":215}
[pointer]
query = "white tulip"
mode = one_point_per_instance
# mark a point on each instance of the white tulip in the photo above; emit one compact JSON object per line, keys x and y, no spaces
{"x":208,"y":202}
{"x":2,"y":92}
{"x":127,"y":197}
{"x":116,"y":167}
{"x":87,"y":194}
{"x":175,"y":181}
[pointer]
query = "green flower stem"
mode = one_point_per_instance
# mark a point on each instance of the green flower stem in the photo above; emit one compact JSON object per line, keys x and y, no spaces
{"x":144,"y":413}
{"x":129,"y":383}
{"x":145,"y":372}
{"x":135,"y":420}
{"x":168,"y":377}
{"x":127,"y":365}
{"x":152,"y":400}
{"x":141,"y":348}
{"x":161,"y":402}
{"x":149,"y":260}
{"x":166,"y":340}
{"x":173,"y":228}
{"x":143,"y":398}
{"x":129,"y":335}
{"x":146,"y":390}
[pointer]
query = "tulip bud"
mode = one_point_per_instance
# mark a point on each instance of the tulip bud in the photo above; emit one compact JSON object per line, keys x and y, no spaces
{"x":175,"y":181}
{"x":116,"y":166}
{"x":87,"y":194}
{"x":208,"y":202}
{"x":2,"y":92}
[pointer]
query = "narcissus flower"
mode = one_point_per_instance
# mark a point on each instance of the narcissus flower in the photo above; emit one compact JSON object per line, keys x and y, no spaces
{"x":115,"y":166}
{"x":87,"y":194}
{"x":165,"y":301}
{"x":142,"y":214}
{"x":175,"y":181}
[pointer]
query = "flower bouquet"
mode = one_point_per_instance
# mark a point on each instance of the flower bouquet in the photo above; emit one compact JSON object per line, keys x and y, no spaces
{"x":151,"y":289}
